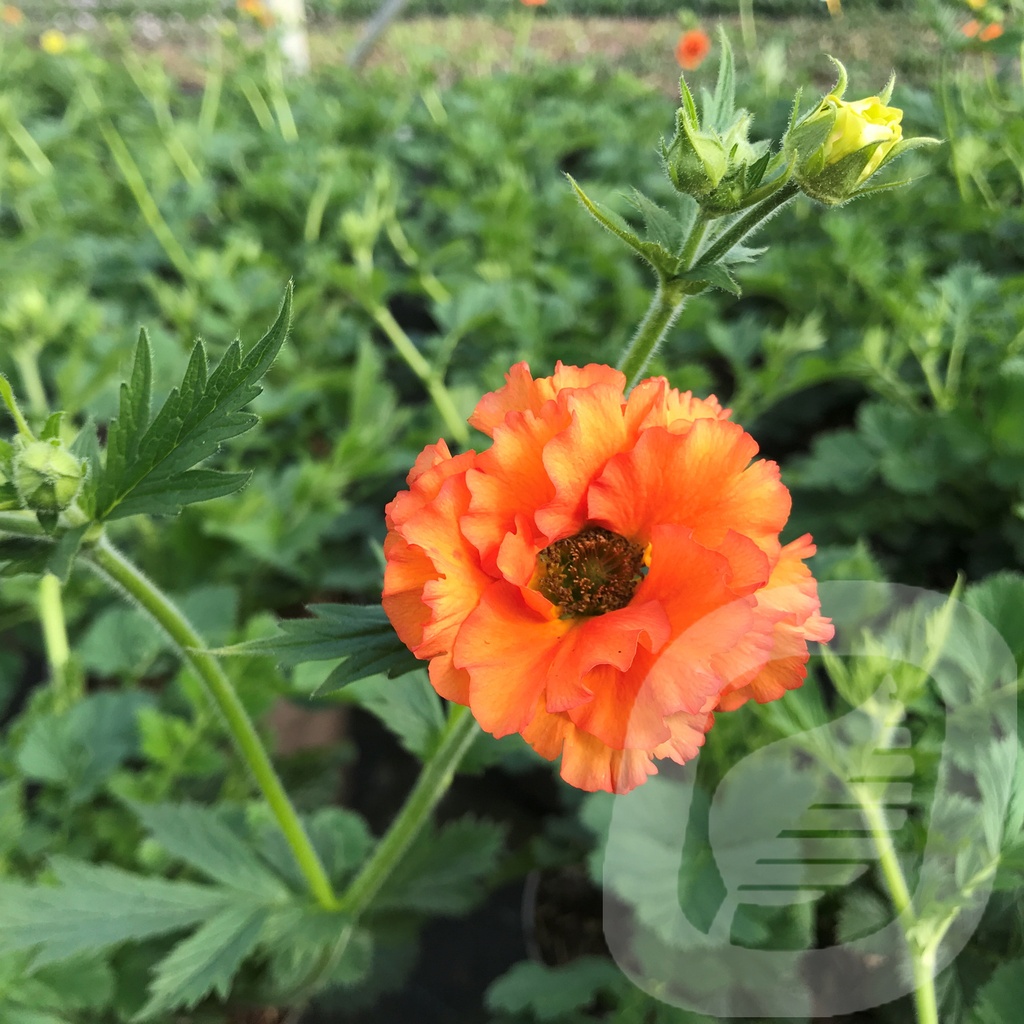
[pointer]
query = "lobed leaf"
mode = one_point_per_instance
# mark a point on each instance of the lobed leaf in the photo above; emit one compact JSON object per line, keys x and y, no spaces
{"x":206,"y":961}
{"x":361,"y":634}
{"x":149,"y":465}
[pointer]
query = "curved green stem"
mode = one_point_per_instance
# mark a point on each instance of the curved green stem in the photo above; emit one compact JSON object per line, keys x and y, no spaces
{"x":435,"y":778}
{"x":454,"y":423}
{"x":665,"y":305}
{"x":22,"y":524}
{"x":55,"y":637}
{"x":112,"y":565}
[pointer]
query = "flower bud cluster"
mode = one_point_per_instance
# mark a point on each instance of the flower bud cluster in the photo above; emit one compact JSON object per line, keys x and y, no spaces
{"x":46,"y":476}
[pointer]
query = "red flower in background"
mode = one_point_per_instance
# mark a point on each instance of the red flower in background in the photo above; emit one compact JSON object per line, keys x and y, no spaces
{"x":693,"y":46}
{"x":533,"y":3}
{"x":605,"y":576}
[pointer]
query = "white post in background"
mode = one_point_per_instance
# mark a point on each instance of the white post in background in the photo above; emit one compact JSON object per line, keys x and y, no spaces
{"x":290,"y":18}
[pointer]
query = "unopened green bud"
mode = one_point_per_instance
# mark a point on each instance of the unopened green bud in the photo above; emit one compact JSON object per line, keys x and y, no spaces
{"x":46,"y":475}
{"x":696,"y":161}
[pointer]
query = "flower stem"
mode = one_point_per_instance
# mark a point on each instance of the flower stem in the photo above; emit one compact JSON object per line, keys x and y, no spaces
{"x":665,"y":305}
{"x":431,"y":380}
{"x":435,"y":778}
{"x":55,"y":637}
{"x":923,"y":959}
{"x":755,"y":216}
{"x":112,"y":565}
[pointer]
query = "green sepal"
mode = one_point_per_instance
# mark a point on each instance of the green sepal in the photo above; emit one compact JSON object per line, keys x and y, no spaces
{"x":51,"y":428}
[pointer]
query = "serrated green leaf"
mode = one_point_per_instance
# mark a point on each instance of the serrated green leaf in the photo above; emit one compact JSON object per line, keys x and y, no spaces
{"x":206,"y":961}
{"x":198,"y":836}
{"x":409,"y":707}
{"x":444,"y":871}
{"x":715,"y":275}
{"x":718,"y":110}
{"x":82,"y":983}
{"x":94,"y":907}
{"x":125,"y":432}
{"x":81,"y":748}
{"x":150,"y":465}
{"x":549,"y":993}
{"x":999,"y":1000}
{"x":662,"y":227}
{"x":657,"y":255}
{"x":361,"y":634}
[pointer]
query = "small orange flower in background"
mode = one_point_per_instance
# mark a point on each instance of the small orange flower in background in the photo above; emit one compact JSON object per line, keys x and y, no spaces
{"x":973,"y":29}
{"x":257,"y":10}
{"x":533,"y":3}
{"x":605,"y":576}
{"x":11,"y":15}
{"x":693,"y":46}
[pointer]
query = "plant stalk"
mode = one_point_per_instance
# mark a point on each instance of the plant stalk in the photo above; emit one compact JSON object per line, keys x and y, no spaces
{"x":112,"y":565}
{"x":435,"y":778}
{"x":923,"y":959}
{"x":55,"y":637}
{"x":665,"y":305}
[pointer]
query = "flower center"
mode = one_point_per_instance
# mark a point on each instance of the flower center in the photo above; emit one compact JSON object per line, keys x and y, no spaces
{"x":594,"y":572}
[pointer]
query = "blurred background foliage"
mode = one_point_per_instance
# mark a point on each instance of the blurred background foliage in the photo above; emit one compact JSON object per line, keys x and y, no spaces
{"x":177,"y":177}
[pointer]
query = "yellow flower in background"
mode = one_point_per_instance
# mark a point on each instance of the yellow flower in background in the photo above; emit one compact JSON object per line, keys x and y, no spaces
{"x":835,"y":8}
{"x":53,"y":41}
{"x":11,"y":15}
{"x":976,"y":4}
{"x":859,"y":124}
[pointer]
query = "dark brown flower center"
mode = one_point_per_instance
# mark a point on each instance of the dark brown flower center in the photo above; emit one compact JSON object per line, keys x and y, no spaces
{"x":594,"y":572}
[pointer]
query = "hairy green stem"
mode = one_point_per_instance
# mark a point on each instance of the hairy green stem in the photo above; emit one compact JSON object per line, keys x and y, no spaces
{"x":55,"y":637}
{"x":22,"y":524}
{"x":665,"y":305}
{"x":748,"y":222}
{"x":114,"y":567}
{"x":27,"y":361}
{"x":435,"y":778}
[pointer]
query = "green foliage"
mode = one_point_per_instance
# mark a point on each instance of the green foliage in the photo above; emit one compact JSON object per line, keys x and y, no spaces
{"x":149,"y":462}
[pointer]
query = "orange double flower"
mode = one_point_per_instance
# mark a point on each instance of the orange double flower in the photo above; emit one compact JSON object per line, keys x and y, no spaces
{"x":605,"y":576}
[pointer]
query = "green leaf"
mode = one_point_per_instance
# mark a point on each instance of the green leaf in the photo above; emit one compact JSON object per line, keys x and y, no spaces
{"x":444,"y":872}
{"x":198,"y":836}
{"x":551,"y":992}
{"x":663,"y":227}
{"x":62,"y":554}
{"x":12,"y":816}
{"x":657,"y":255}
{"x":361,"y":634}
{"x":24,"y":555}
{"x":150,"y":465}
{"x":206,"y":961}
{"x":1000,"y":998}
{"x":718,"y":109}
{"x":81,"y":748}
{"x":409,"y":707}
{"x":87,"y":446}
{"x":94,"y":907}
{"x":715,"y":275}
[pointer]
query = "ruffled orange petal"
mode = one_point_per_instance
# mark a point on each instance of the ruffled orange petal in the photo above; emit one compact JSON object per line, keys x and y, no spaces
{"x":522,"y":393}
{"x":703,"y":479}
{"x":573,"y":457}
{"x":507,"y":648}
{"x":591,"y":765}
{"x":790,"y":603}
{"x":610,"y":640}
{"x":509,"y":480}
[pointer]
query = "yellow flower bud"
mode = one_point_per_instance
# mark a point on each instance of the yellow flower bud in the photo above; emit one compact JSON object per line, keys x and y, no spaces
{"x":860,"y":124}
